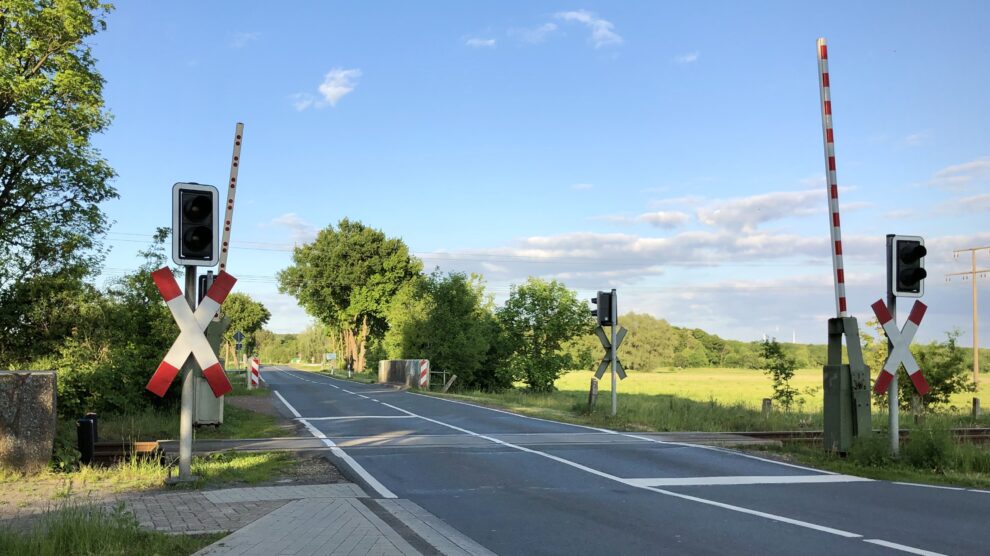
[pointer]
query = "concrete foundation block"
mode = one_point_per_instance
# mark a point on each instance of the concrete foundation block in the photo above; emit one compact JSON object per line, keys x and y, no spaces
{"x":27,"y":419}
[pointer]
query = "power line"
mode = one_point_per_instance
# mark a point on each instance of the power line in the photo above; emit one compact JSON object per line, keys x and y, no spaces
{"x":971,"y":275}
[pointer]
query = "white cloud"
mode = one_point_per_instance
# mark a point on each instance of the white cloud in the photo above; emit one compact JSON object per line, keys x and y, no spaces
{"x":664,"y":219}
{"x":533,"y":35}
{"x":301,"y":231}
{"x":476,"y":42}
{"x":659,"y":219}
{"x":916,"y":139}
{"x":966,"y":205}
{"x":302,"y":101}
{"x":582,"y":186}
{"x":337,"y":83}
{"x":899,"y":214}
{"x":746,"y":213}
{"x":689,"y":58}
{"x":240,"y":40}
{"x":962,"y":176}
{"x":602,"y":31}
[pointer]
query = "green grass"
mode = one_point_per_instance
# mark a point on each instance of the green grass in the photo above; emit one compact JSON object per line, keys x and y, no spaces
{"x":85,"y":531}
{"x":141,"y":473}
{"x":160,"y":425}
{"x":699,"y":400}
{"x":728,"y":386}
{"x":929,"y":456}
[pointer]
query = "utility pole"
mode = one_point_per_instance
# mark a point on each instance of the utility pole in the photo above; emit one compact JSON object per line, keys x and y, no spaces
{"x":971,"y":275}
{"x":893,"y":409}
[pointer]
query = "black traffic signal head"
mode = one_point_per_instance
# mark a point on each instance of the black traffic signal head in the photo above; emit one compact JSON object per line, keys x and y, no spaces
{"x":603,"y":311}
{"x":195,"y":224}
{"x":908,"y":272}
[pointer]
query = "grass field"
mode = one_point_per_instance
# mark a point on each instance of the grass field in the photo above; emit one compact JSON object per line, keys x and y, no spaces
{"x":695,"y":400}
{"x":728,"y":386}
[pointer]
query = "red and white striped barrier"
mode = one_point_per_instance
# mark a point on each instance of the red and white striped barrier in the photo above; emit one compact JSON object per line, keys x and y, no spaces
{"x":255,"y":372}
{"x":424,"y":373}
{"x":191,"y":337}
{"x":901,"y":339}
{"x":831,"y":182}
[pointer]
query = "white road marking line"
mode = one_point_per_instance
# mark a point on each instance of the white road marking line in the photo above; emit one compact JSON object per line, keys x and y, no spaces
{"x":355,"y":417}
{"x":740,"y":509}
{"x":902,"y":548}
{"x":940,"y":487}
{"x":744,"y":480}
{"x":636,"y":436}
{"x":363,"y":396}
{"x":334,"y":449}
{"x":611,"y":477}
{"x":287,"y":404}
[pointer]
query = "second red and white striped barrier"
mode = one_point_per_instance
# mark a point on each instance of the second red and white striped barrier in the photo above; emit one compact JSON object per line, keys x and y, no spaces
{"x":255,"y":372}
{"x":424,"y":373}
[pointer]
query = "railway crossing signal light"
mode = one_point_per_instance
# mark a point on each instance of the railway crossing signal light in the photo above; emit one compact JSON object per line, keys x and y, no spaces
{"x":195,"y":224}
{"x":603,"y":311}
{"x":908,"y":265}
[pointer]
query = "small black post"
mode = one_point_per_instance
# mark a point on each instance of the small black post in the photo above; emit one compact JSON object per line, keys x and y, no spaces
{"x":86,"y":436}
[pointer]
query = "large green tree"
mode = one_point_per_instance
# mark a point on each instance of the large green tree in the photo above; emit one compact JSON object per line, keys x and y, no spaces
{"x":539,"y":318}
{"x":52,"y":180}
{"x":247,"y":316}
{"x":449,"y":320}
{"x":346,"y":278}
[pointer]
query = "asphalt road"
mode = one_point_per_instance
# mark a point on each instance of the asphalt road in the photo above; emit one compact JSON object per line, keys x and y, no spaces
{"x":519,"y":485}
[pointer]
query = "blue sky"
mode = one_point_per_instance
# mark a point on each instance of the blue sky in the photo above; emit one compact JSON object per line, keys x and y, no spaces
{"x":670,"y":150}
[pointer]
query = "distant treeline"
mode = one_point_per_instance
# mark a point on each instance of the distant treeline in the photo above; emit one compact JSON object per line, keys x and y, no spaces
{"x":652,"y":344}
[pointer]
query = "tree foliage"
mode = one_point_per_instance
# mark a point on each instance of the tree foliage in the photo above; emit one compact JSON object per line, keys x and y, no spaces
{"x":539,"y":318}
{"x":247,"y":316}
{"x":780,"y":368}
{"x":51,"y":178}
{"x":105,"y":364}
{"x":449,"y":320}
{"x":347,"y":278}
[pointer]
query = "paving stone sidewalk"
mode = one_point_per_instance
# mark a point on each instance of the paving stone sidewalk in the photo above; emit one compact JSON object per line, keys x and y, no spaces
{"x":300,"y":520}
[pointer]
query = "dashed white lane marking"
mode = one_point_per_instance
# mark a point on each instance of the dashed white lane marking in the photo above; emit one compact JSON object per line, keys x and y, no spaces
{"x":335,"y":450}
{"x":745,"y":480}
{"x":739,"y":509}
{"x":635,"y":436}
{"x":902,"y":548}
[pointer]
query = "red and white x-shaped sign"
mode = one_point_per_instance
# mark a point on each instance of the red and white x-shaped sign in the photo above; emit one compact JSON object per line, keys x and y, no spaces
{"x":191,"y":337}
{"x":901,"y":340}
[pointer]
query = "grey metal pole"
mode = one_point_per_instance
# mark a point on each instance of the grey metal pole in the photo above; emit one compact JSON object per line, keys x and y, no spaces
{"x":892,"y":401}
{"x":188,"y":373}
{"x":615,"y":325}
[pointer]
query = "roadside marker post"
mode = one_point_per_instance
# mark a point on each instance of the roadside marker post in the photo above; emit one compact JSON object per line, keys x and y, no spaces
{"x":424,"y":374}
{"x":255,"y":374}
{"x":846,"y":387}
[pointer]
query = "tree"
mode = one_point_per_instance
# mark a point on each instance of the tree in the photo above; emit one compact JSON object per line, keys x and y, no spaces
{"x":780,"y":368}
{"x":449,"y":320}
{"x":247,"y":316}
{"x":52,"y":180}
{"x":539,"y":318}
{"x":347,"y":278}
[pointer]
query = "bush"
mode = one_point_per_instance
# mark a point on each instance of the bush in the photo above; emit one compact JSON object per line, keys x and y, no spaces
{"x":930,"y":448}
{"x":871,"y":451}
